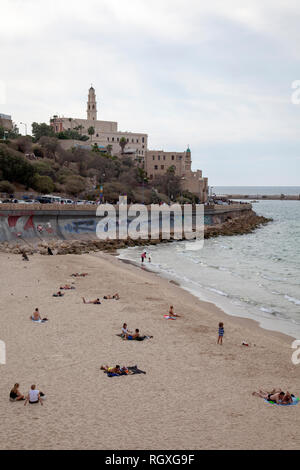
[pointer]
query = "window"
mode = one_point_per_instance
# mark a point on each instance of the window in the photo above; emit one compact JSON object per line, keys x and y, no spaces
{"x":155,"y":167}
{"x":108,"y":139}
{"x":132,"y":140}
{"x":137,"y":141}
{"x":143,"y":139}
{"x":127,"y":140}
{"x":153,"y":158}
{"x":97,"y":135}
{"x":164,"y":157}
{"x":172,"y":157}
{"x":162,"y":166}
{"x":118,"y":139}
{"x":158,"y":158}
{"x":113,"y":139}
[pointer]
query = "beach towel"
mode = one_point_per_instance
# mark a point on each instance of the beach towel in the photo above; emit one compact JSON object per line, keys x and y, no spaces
{"x":132,"y":369}
{"x":140,"y":338}
{"x":44,"y":320}
{"x":168,"y":317}
{"x":295,"y":402}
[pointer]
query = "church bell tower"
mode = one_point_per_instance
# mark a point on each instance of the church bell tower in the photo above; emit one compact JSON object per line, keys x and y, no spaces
{"x":92,"y":105}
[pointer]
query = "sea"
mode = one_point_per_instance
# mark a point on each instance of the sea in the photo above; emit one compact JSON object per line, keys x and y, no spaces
{"x":256,"y":276}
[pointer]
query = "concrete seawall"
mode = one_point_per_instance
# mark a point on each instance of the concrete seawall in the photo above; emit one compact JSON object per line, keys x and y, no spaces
{"x":49,"y":222}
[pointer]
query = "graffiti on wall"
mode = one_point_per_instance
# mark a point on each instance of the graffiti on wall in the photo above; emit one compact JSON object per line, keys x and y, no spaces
{"x":18,"y":224}
{"x":81,"y":226}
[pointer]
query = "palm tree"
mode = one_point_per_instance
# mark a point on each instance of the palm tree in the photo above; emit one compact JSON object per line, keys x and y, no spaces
{"x":122,"y":144}
{"x":91,"y":131}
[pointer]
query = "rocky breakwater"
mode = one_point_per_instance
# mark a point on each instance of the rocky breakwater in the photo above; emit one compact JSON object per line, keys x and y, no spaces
{"x":245,"y":223}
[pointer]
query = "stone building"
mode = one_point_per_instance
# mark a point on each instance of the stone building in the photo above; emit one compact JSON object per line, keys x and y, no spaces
{"x":105,"y":132}
{"x":6,"y":122}
{"x":157,"y":162}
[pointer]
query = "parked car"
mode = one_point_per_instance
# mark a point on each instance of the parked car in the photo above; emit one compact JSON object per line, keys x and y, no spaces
{"x":67,"y":201}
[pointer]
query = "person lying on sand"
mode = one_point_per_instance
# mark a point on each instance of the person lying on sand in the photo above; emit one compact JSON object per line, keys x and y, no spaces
{"x":136,"y":336}
{"x":58,"y":294}
{"x":79,"y":274}
{"x":67,"y":287}
{"x":133,"y":336}
{"x":34,"y":396}
{"x":15,"y":394}
{"x":111,"y":370}
{"x":172,"y":313}
{"x":36,"y":316}
{"x":287,"y":399}
{"x":114,"y":296}
{"x":95,"y":302}
{"x":275,"y":395}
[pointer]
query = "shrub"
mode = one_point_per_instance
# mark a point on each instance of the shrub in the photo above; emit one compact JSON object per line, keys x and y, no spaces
{"x":14,"y":167}
{"x":7,"y":187}
{"x":75,"y":185}
{"x":43,"y":184}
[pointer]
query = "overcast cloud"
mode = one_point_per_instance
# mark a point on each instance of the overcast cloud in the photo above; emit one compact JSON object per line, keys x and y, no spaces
{"x":215,"y":75}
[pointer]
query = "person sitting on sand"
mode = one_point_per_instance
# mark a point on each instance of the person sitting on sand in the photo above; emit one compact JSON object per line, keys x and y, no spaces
{"x":34,"y":396}
{"x":111,"y":370}
{"x":67,"y":287}
{"x":15,"y":394}
{"x":125,"y":331}
{"x":275,"y":396}
{"x":36,"y":316}
{"x":24,"y":256}
{"x":95,"y":302}
{"x":172,"y":313}
{"x":50,"y":253}
{"x":114,"y":296}
{"x":58,"y":294}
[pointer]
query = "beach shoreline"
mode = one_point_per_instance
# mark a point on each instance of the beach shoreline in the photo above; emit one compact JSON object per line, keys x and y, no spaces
{"x":242,"y":319}
{"x":195,"y":395}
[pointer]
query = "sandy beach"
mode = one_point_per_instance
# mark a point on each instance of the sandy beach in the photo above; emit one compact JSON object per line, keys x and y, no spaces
{"x":195,"y":395}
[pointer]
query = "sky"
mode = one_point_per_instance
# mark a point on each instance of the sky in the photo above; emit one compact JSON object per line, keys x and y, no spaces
{"x":216,"y":76}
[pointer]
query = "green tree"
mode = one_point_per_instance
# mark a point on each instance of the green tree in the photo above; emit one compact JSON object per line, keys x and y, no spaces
{"x":43,"y":184}
{"x":122,"y":144}
{"x":14,"y":167}
{"x":91,"y":131}
{"x":41,"y":130}
{"x":7,"y":187}
{"x":95,"y":148}
{"x":75,"y":185}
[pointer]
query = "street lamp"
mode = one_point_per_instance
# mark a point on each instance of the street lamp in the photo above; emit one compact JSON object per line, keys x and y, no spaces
{"x":24,"y":124}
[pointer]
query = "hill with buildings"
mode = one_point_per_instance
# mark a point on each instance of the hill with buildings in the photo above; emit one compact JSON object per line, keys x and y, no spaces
{"x":40,"y":164}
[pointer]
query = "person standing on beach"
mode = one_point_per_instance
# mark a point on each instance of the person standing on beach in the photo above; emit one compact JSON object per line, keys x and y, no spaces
{"x":143,"y":256}
{"x":221,"y":333}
